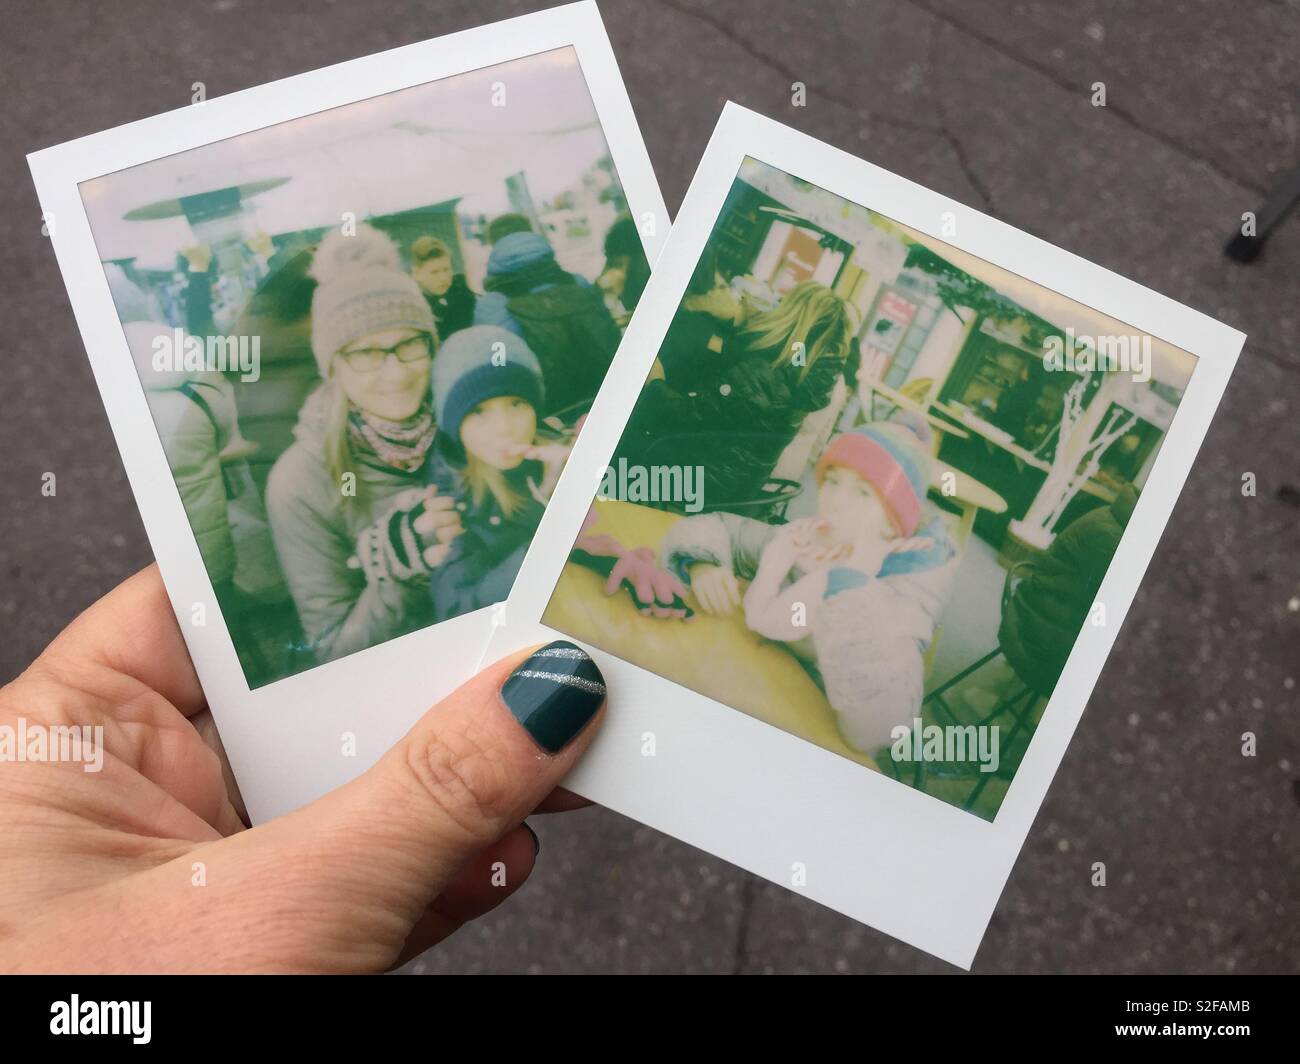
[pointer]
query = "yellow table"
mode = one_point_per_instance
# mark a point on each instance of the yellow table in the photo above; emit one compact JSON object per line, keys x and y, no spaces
{"x":968,"y":493}
{"x":717,"y":656}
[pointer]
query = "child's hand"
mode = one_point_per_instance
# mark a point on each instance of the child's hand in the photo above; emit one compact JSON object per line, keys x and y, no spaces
{"x":815,"y":549}
{"x":715,"y":588}
{"x":551,"y":455}
{"x":603,"y":545}
{"x":783,"y":550}
{"x":656,"y":592}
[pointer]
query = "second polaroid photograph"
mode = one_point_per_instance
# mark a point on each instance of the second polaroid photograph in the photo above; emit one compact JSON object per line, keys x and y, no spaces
{"x":860,"y":510}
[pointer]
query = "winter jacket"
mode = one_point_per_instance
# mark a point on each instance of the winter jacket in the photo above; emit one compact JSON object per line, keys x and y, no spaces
{"x":454,"y":309}
{"x":562,"y":318}
{"x":1042,"y":621}
{"x":485,"y":558}
{"x":734,"y":422}
{"x":865,"y":632}
{"x":693,"y":349}
{"x":193,"y":440}
{"x":316,"y":533}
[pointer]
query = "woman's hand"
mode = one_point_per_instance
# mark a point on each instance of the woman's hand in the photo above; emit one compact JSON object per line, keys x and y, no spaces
{"x":715,"y":587}
{"x":438,"y":524}
{"x":392,"y":548}
{"x":146,"y":865}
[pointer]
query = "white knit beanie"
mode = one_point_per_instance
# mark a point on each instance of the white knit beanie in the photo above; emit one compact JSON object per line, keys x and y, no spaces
{"x":361,"y":288}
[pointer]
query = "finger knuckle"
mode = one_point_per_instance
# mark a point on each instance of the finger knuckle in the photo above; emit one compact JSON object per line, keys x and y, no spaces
{"x":461,"y":777}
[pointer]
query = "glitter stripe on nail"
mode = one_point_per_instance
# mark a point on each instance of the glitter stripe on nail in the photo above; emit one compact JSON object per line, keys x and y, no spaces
{"x":581,"y":682}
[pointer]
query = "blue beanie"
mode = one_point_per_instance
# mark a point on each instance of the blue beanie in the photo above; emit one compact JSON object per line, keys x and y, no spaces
{"x":518,"y":250}
{"x":464,"y":374}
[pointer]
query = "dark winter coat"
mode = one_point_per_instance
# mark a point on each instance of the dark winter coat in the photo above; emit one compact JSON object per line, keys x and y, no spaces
{"x":485,"y":558}
{"x":454,"y":309}
{"x":563,"y":319}
{"x":1043,"y":619}
{"x":734,"y":420}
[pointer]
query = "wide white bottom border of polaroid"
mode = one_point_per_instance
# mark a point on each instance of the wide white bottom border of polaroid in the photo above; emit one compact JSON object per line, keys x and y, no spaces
{"x":868,"y":846}
{"x":297,"y":738}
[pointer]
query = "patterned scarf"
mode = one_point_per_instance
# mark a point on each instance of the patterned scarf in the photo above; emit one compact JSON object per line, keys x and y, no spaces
{"x":400,"y":444}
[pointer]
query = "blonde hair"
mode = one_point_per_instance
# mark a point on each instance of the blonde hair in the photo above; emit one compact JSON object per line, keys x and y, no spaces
{"x":429,"y":247}
{"x":484,"y":479}
{"x":339,"y":459}
{"x":811,"y":315}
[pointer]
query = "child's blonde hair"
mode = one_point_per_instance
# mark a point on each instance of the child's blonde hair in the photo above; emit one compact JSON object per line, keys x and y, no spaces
{"x":484,"y":479}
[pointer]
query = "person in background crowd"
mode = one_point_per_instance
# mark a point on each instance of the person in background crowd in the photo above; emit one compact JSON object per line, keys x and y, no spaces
{"x":701,"y":329}
{"x":742,"y":408}
{"x":1042,"y":621}
{"x":448,"y":295}
{"x":564,"y":322}
{"x":627,"y":270}
{"x":503,"y":225}
{"x":131,"y":301}
{"x":194,"y":412}
{"x":351,"y":498}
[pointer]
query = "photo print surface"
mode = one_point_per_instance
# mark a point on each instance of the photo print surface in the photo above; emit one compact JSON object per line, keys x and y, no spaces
{"x":869,"y":489}
{"x":366,"y":338}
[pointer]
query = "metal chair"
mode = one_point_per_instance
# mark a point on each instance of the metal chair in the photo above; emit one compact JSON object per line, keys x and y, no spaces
{"x":771,"y":502}
{"x":1020,"y":705}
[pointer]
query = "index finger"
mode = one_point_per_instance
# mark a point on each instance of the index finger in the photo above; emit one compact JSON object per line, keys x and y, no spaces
{"x":132,"y":630}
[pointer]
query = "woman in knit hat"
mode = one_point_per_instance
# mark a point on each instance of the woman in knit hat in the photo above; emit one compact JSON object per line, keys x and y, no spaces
{"x":360,"y":522}
{"x":871,"y":578}
{"x":487,"y":395}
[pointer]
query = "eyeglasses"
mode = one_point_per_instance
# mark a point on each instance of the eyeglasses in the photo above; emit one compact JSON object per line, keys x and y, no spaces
{"x":371,"y":359}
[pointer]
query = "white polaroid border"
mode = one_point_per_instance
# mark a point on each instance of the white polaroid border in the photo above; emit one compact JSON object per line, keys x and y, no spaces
{"x":769,"y":801}
{"x":285,"y":740}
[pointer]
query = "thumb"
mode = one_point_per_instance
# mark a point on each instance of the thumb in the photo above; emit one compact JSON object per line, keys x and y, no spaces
{"x":357,"y":870}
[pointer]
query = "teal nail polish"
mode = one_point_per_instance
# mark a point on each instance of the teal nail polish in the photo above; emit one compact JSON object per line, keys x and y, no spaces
{"x":554,"y":693}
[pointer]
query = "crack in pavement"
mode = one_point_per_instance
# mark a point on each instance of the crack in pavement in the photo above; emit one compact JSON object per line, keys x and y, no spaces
{"x":776,"y":64}
{"x":958,"y":149}
{"x":1119,"y":111}
{"x":943,"y":130}
{"x":748,"y":894}
{"x":853,"y":106}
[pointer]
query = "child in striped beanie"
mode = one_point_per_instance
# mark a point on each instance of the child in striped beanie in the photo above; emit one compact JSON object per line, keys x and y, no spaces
{"x":853,"y":592}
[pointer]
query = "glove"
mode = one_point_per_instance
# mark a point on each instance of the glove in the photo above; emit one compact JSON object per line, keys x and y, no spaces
{"x":390,"y":549}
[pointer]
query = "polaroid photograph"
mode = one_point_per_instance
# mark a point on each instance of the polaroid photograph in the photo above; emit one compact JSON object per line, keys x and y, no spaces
{"x":346,"y":327}
{"x":855,"y":523}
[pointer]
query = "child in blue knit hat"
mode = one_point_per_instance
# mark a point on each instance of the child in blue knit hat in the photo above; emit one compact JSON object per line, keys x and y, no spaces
{"x":854,"y":592}
{"x":487,"y":394}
